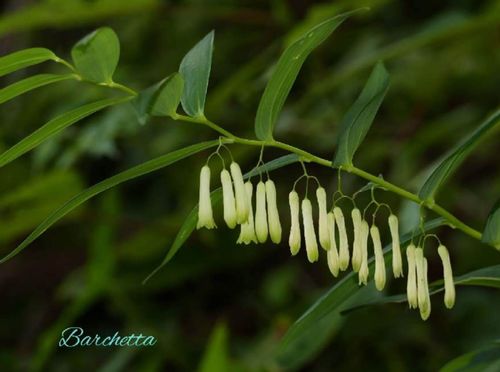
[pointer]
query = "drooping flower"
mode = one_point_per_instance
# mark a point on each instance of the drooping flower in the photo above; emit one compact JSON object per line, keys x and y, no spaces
{"x":379,"y":258}
{"x":411,"y":285}
{"x":324,"y":238}
{"x":356,"y":245}
{"x":247,"y":233}
{"x":343,"y":243}
{"x":294,"y":239}
{"x":240,"y":193}
{"x":332,"y":254}
{"x":205,"y":214}
{"x":309,"y":233}
{"x":426,"y":311}
{"x":228,"y":199}
{"x":449,"y":286}
{"x":364,"y":271}
{"x":261,"y":213}
{"x":397,"y":262}
{"x":422,"y":288}
{"x":273,"y":216}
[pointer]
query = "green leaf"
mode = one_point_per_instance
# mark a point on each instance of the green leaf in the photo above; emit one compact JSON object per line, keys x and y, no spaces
{"x":169,"y":96}
{"x":24,"y":58}
{"x":285,"y":73}
{"x":326,"y":311}
{"x":189,"y":224}
{"x":216,"y":356}
{"x":456,"y":156}
{"x":195,"y":70}
{"x":491,"y":233}
{"x":30,"y":83}
{"x":134,"y":172}
{"x":54,"y":126}
{"x":96,"y":55}
{"x":486,"y":359}
{"x":358,"y":119}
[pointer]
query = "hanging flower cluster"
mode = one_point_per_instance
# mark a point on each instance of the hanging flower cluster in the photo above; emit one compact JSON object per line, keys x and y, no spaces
{"x":332,"y":234}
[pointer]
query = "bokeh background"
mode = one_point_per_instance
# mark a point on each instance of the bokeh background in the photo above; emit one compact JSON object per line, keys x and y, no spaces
{"x":219,"y":306}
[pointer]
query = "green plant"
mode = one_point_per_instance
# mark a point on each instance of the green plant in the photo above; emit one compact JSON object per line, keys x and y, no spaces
{"x":95,"y":59}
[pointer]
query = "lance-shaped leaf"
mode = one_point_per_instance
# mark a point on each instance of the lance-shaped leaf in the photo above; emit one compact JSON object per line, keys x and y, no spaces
{"x":285,"y":73}
{"x":314,"y":328}
{"x":134,"y":172}
{"x":189,"y":224}
{"x":96,"y":55}
{"x":359,"y":118}
{"x":30,"y":83}
{"x":54,"y":126}
{"x":491,"y":233}
{"x":195,"y":70}
{"x":24,"y":58}
{"x":455,"y":157}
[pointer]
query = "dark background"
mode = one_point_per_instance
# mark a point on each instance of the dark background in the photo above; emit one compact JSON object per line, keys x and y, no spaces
{"x":86,"y":271}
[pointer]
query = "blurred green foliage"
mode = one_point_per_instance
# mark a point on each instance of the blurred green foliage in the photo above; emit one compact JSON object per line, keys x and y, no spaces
{"x":218,"y":306}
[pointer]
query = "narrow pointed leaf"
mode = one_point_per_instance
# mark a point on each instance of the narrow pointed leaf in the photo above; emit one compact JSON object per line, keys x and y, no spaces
{"x":96,"y":55}
{"x":285,"y":73}
{"x":323,"y":317}
{"x":359,"y":118}
{"x":486,"y":359}
{"x":54,"y":126}
{"x":491,"y":233}
{"x":189,"y":224}
{"x":30,"y":83}
{"x":456,"y":157}
{"x":24,"y":58}
{"x":195,"y":70}
{"x":134,"y":172}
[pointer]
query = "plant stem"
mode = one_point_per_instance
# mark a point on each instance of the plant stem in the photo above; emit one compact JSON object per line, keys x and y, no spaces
{"x":307,"y":156}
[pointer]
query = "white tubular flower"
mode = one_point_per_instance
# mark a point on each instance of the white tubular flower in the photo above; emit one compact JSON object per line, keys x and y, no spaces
{"x":240,"y":193}
{"x":422,"y":289}
{"x":294,"y":239}
{"x":364,"y":271}
{"x":261,"y":213}
{"x":379,"y":258}
{"x":309,"y":233}
{"x":332,"y":253}
{"x":324,"y":238}
{"x":228,"y":199}
{"x":343,"y":243}
{"x":205,"y":214}
{"x":356,"y":245}
{"x":397,"y":261}
{"x":426,"y":311}
{"x":411,"y":285}
{"x":449,"y":286}
{"x":273,"y":216}
{"x":247,"y":234}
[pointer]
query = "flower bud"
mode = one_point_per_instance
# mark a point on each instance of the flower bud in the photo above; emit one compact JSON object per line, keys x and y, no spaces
{"x":449,"y":286}
{"x":260,"y":213}
{"x":332,"y":253}
{"x":356,"y":245}
{"x":421,"y":281}
{"x":247,"y":233}
{"x":273,"y":216}
{"x":228,"y":199}
{"x":426,"y":311}
{"x":343,"y":243}
{"x":411,"y":284}
{"x":379,"y":258}
{"x":294,"y":239}
{"x":364,"y":271}
{"x":240,"y":193}
{"x":205,"y":214}
{"x":324,"y":238}
{"x":397,"y":262}
{"x":309,"y":233}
